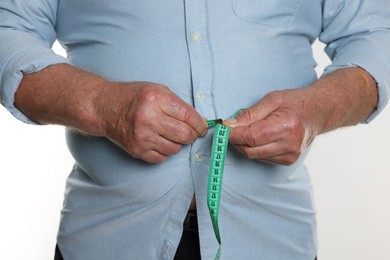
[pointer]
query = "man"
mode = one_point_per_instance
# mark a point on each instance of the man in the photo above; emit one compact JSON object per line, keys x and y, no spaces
{"x":139,"y":80}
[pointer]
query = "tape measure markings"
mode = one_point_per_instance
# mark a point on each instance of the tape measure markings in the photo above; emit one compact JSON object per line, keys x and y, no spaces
{"x":217,"y":162}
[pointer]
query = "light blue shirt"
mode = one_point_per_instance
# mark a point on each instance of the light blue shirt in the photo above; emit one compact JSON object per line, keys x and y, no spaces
{"x":218,"y":56}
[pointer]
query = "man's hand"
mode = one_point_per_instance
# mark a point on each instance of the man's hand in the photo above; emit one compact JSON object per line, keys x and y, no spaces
{"x":275,"y":130}
{"x":146,"y":119}
{"x":280,"y":127}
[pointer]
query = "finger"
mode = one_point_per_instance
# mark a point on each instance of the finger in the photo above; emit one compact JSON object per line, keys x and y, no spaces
{"x":269,"y":150}
{"x":260,"y":152}
{"x":177,"y":131}
{"x":146,"y":153}
{"x":257,"y":134}
{"x":148,"y":145}
{"x":257,"y":112}
{"x":272,"y":153}
{"x":164,"y":146}
{"x":269,"y":143}
{"x":155,"y":150}
{"x":284,"y":159}
{"x":152,"y":157}
{"x":180,"y":110}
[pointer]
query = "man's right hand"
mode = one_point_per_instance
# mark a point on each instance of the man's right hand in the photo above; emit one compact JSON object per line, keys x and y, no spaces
{"x":146,"y":119}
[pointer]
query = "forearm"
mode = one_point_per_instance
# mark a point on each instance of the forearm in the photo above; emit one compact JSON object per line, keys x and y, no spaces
{"x":280,"y":127}
{"x":61,"y":94}
{"x":146,"y":119}
{"x":343,"y":98}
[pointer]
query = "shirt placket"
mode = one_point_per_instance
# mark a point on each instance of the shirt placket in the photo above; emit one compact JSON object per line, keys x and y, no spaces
{"x":201,"y":64}
{"x":200,"y":54}
{"x":202,"y":76}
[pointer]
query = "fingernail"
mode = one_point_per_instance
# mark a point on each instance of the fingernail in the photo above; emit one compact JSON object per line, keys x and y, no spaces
{"x":229,"y":122}
{"x":204,"y":132}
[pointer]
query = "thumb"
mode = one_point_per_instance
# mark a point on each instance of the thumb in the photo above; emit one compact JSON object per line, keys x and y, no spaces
{"x":242,"y":118}
{"x":258,"y":111}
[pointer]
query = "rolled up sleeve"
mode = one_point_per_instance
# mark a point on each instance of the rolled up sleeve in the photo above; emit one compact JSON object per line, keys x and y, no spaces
{"x":26,"y":36}
{"x":357,"y":33}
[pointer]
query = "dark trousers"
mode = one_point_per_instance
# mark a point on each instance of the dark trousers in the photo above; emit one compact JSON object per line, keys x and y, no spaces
{"x":188,"y":249}
{"x":189,"y":243}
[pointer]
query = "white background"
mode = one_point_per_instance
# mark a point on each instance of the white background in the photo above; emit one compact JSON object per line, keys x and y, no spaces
{"x":349,"y":167}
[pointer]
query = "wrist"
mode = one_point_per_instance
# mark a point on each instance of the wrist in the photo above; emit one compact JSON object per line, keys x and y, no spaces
{"x":343,"y":98}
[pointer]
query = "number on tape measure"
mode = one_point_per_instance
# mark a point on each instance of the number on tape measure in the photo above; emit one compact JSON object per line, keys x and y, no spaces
{"x":217,"y":162}
{"x":218,"y":154}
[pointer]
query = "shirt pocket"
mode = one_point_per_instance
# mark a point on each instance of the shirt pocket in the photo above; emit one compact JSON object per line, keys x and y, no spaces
{"x":277,"y":13}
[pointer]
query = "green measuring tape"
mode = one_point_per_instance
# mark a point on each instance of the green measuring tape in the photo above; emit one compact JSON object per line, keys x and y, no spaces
{"x":217,"y":162}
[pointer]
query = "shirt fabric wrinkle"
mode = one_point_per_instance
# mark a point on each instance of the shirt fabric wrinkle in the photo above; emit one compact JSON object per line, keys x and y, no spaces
{"x":218,"y":56}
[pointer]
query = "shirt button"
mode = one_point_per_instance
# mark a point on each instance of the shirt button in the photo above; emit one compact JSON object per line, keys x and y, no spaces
{"x":197,"y":37}
{"x":198,"y":157}
{"x":199,"y":96}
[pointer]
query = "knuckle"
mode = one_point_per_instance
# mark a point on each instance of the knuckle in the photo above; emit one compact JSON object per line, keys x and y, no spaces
{"x":245,"y":114}
{"x":248,"y":152}
{"x":290,"y":159}
{"x":296,"y":133}
{"x":140,"y":137}
{"x":274,"y":97}
{"x":188,"y":113}
{"x":176,"y":149}
{"x":161,"y":87}
{"x":294,"y":124}
{"x":133,"y":150}
{"x":135,"y":147}
{"x":149,"y":94}
{"x":294,"y":147}
{"x":156,"y":158}
{"x":184,"y":136}
{"x":139,"y":119}
{"x":142,"y":118}
{"x":184,"y":110}
{"x":297,"y":147}
{"x":250,"y":138}
{"x":251,"y":141}
{"x":287,"y":162}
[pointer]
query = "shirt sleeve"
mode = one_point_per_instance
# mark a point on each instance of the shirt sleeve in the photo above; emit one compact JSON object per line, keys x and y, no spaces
{"x":357,"y":33}
{"x":26,"y":36}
